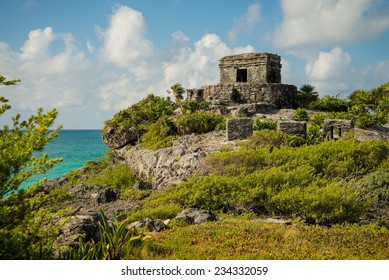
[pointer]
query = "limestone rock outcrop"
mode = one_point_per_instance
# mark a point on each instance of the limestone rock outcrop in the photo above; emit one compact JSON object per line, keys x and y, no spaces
{"x":171,"y":165}
{"x":114,"y":138}
{"x":195,"y":216}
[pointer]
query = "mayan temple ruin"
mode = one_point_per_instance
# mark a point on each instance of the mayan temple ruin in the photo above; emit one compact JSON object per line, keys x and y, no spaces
{"x":250,"y":78}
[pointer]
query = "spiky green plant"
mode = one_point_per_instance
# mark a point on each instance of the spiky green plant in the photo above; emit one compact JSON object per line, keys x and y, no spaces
{"x":116,"y":242}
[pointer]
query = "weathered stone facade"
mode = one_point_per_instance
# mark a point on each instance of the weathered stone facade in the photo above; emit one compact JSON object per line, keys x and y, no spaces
{"x":334,"y":128}
{"x":241,"y":128}
{"x":253,"y":68}
{"x":251,"y":78}
{"x":298,"y":128}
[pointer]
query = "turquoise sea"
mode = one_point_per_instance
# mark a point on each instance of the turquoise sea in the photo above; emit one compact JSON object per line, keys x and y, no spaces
{"x":75,"y":147}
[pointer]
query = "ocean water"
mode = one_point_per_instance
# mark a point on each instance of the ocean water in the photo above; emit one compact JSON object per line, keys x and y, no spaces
{"x":76,"y":147}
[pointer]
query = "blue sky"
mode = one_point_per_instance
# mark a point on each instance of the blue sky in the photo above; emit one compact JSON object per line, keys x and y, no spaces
{"x":89,"y":59}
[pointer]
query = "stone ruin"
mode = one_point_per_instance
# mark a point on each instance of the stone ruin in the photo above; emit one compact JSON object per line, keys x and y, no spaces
{"x":249,"y":78}
{"x":298,"y":128}
{"x":241,"y":128}
{"x":335,"y":128}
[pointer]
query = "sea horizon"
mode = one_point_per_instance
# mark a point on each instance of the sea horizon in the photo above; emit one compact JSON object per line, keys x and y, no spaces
{"x":75,"y":147}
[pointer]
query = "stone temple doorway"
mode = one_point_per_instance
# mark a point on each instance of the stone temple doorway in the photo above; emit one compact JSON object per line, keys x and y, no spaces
{"x":241,"y":75}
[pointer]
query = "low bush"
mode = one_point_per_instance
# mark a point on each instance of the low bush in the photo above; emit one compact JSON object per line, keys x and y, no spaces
{"x":146,"y":111}
{"x":301,"y":115}
{"x":159,"y":134}
{"x":119,"y":176}
{"x":193,"y":106}
{"x":365,"y":120}
{"x":198,"y":122}
{"x":330,"y":104}
{"x":317,"y":119}
{"x":260,"y":124}
{"x":315,"y":183}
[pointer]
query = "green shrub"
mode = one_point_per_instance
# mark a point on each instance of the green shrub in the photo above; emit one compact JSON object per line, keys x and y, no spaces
{"x":193,"y":106}
{"x":146,"y":111}
{"x":291,"y":192}
{"x":314,"y":135}
{"x":266,"y":138}
{"x":119,"y":176}
{"x":301,"y":115}
{"x":159,"y":134}
{"x":376,"y":183}
{"x":160,"y":212}
{"x":260,"y":124}
{"x":334,"y":203}
{"x":365,"y":120}
{"x":198,"y":122}
{"x":317,"y":119}
{"x":330,"y":104}
{"x":134,"y":195}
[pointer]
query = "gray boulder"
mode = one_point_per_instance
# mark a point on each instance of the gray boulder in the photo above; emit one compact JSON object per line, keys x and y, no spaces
{"x":114,"y":138}
{"x":150,"y":224}
{"x":195,"y":216}
{"x":239,"y":128}
{"x":104,"y":195}
{"x":142,"y":186}
{"x":83,"y":225}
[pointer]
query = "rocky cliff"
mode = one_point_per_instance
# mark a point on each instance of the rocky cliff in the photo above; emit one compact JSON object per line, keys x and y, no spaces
{"x":172,"y":165}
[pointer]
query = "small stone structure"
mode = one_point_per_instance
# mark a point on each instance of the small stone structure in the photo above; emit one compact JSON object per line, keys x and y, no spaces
{"x":241,"y":128}
{"x":335,"y":128}
{"x":298,"y":128}
{"x":246,"y":79}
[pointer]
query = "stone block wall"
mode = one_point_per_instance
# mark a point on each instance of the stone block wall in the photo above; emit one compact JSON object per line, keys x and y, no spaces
{"x":241,"y":128}
{"x":293,"y":128}
{"x":249,"y":78}
{"x":335,"y":128}
{"x":260,"y":68}
{"x":278,"y":95}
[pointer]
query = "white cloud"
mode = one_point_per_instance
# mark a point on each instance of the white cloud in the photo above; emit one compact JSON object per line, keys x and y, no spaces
{"x":194,"y":68}
{"x":329,"y":65}
{"x":37,"y":60}
{"x":124,"y":41}
{"x":329,"y":22}
{"x":90,"y":46}
{"x":335,"y":72}
{"x":55,"y":73}
{"x":50,"y":77}
{"x":37,"y":45}
{"x":245,"y":23}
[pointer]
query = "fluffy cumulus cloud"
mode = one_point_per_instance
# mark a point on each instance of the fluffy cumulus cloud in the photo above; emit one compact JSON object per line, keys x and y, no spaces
{"x":89,"y":88}
{"x":48,"y":78}
{"x":124,"y":41}
{"x":329,"y":22}
{"x":335,"y":72}
{"x":245,"y":23}
{"x":199,"y":66}
{"x":145,"y":71}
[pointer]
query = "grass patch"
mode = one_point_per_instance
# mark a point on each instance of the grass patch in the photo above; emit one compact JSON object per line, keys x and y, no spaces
{"x":247,"y":239}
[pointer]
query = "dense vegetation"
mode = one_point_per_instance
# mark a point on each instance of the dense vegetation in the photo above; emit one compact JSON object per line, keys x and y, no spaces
{"x":25,"y":214}
{"x":159,"y":120}
{"x":366,"y":107}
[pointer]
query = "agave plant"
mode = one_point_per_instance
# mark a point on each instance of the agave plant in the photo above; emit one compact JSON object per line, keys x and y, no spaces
{"x":116,"y":242}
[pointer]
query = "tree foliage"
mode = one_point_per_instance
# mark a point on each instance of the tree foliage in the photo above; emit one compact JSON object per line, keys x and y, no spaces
{"x":24,"y":212}
{"x":177,"y":90}
{"x":306,"y":95}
